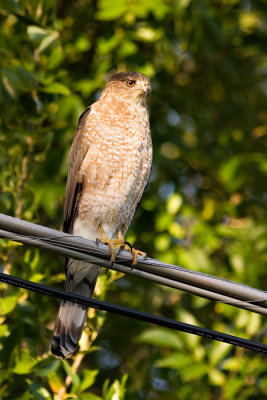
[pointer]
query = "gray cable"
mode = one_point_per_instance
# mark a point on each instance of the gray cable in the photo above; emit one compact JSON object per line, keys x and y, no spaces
{"x":197,"y":283}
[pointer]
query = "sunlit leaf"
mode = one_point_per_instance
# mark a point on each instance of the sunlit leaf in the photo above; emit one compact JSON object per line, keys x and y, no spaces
{"x":233,"y":387}
{"x":148,"y":34}
{"x":174,"y":203}
{"x":3,"y":329}
{"x":195,"y":371}
{"x":47,"y":41}
{"x":39,"y":391}
{"x":7,"y":304}
{"x":232,"y":173}
{"x":56,"y":382}
{"x":87,"y":379}
{"x":89,"y":396}
{"x":160,"y":337}
{"x":111,"y":9}
{"x":216,"y":377}
{"x":116,"y":390}
{"x":36,"y":33}
{"x":23,"y":363}
{"x":57,"y":88}
{"x":69,"y":371}
{"x":174,"y":360}
{"x":218,"y":352}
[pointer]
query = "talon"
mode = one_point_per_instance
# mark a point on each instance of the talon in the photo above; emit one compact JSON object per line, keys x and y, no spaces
{"x":122,"y":247}
{"x":128,"y":244}
{"x":135,"y":254}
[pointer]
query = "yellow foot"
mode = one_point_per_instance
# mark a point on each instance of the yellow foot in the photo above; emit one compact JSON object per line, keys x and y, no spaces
{"x":122,"y":243}
{"x":135,"y":254}
{"x":112,"y":242}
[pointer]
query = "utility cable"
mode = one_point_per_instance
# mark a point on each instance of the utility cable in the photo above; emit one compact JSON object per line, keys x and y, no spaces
{"x":131,"y":313}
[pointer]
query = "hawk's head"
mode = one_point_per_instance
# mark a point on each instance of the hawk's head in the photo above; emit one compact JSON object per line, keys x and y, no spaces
{"x":132,"y":86}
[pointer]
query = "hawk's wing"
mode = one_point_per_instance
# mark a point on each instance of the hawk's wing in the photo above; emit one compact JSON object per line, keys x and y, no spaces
{"x":75,"y":180}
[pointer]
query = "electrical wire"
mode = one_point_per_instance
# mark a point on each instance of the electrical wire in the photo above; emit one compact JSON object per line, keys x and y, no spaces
{"x":131,"y":313}
{"x":203,"y":285}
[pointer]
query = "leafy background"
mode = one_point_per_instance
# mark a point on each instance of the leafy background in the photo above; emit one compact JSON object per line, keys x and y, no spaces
{"x":205,"y":208}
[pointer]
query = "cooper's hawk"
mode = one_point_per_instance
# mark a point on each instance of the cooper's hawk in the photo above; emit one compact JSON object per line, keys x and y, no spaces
{"x":110,"y":163}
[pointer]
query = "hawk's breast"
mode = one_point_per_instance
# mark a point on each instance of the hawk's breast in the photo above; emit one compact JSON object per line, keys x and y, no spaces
{"x":116,"y":168}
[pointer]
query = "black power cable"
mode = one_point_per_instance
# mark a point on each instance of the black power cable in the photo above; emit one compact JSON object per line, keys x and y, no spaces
{"x":142,"y":316}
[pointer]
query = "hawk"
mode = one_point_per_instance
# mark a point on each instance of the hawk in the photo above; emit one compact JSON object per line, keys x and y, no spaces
{"x":109,"y":168}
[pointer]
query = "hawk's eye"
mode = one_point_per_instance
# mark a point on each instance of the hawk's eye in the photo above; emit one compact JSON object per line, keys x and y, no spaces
{"x":130,"y":83}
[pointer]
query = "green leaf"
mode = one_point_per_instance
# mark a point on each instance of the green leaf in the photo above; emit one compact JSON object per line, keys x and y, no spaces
{"x":9,"y":5}
{"x":48,"y":195}
{"x":105,"y":46}
{"x":87,"y":379}
{"x":32,"y":257}
{"x":174,"y":360}
{"x":163,"y":221}
{"x":45,"y":37}
{"x":195,"y":371}
{"x":216,"y":377}
{"x":160,"y":337}
{"x":231,"y":364}
{"x":57,"y":88}
{"x":116,"y":390}
{"x":218,"y":351}
{"x":24,"y":363}
{"x":232,"y":388}
{"x":196,"y":258}
{"x":46,"y":367}
{"x":232,"y":173}
{"x":16,"y":78}
{"x":127,"y":48}
{"x":39,"y":391}
{"x":89,"y":396}
{"x":48,"y":41}
{"x":36,"y":33}
{"x":3,"y":330}
{"x":148,"y":34}
{"x":71,"y":373}
{"x":111,"y":9}
{"x":174,"y":203}
{"x":7,"y":304}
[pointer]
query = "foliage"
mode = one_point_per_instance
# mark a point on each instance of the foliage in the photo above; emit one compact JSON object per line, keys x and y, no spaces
{"x":205,"y":208}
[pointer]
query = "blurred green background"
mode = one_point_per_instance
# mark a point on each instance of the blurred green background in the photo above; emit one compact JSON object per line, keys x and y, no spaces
{"x":205,"y":207}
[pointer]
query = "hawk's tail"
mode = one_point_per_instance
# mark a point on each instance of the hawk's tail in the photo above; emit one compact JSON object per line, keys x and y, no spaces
{"x":81,"y":279}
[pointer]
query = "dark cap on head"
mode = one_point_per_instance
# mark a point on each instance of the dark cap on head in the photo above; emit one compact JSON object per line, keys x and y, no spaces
{"x":124,"y":76}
